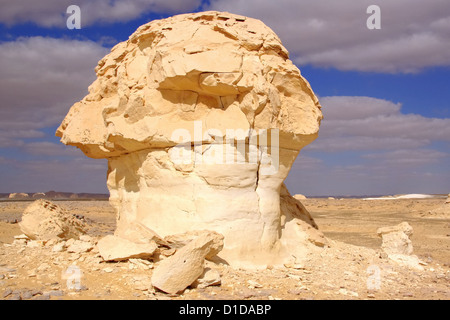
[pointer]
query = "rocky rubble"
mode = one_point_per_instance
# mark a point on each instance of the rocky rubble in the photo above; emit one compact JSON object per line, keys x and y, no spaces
{"x":182,"y":269}
{"x":48,"y":269}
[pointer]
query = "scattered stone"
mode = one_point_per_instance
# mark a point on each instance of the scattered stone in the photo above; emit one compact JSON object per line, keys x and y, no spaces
{"x":26,"y":295}
{"x":79,"y":246}
{"x":141,"y":263}
{"x":179,"y":271}
{"x":33,"y":244}
{"x":59,"y":247}
{"x":209,"y":277}
{"x":108,"y":270}
{"x":346,"y":292}
{"x":142,"y":282}
{"x":22,"y":237}
{"x":87,"y":238}
{"x":409,"y":261}
{"x":15,"y":296}
{"x":253,"y":284}
{"x":7,"y":292}
{"x":56,"y":293}
{"x":113,"y":248}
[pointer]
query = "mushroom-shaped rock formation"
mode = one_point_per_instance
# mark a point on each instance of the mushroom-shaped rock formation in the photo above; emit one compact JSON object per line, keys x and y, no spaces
{"x":201,"y":117}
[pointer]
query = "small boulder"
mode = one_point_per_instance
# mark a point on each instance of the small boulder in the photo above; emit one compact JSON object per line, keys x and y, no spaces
{"x":299,"y":196}
{"x":44,"y":220}
{"x":79,"y":246}
{"x":113,"y":248}
{"x":209,"y":277}
{"x":179,"y":271}
{"x":395,"y":239}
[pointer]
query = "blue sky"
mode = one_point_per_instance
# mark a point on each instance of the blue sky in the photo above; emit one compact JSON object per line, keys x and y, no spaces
{"x":385,"y":93}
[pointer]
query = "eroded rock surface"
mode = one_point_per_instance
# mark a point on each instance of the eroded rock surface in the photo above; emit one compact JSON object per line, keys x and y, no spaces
{"x":201,"y":117}
{"x":397,"y":245}
{"x":45,"y":220}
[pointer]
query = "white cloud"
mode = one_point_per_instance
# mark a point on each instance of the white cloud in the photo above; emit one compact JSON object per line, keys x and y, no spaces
{"x":365,"y":123}
{"x":414,"y":34}
{"x":367,"y":146}
{"x":51,"y":13}
{"x":40,"y":79}
{"x":406,"y":158}
{"x":355,"y":107}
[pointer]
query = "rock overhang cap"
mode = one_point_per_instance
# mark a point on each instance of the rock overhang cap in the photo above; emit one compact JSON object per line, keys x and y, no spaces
{"x":224,"y":70}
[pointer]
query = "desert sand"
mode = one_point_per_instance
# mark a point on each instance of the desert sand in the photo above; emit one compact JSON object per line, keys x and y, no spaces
{"x":348,"y":269}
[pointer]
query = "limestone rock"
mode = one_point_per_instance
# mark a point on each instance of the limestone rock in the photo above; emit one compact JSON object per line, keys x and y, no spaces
{"x":201,"y":117}
{"x":299,"y":196}
{"x":79,"y":246}
{"x":18,"y":196}
{"x":177,"y":272}
{"x":209,"y":277}
{"x":38,"y":195}
{"x":398,"y":247}
{"x":409,"y":261}
{"x":177,"y":241}
{"x":396,"y":239}
{"x":443,"y":210}
{"x":113,"y":248}
{"x":138,"y":233}
{"x":44,"y":220}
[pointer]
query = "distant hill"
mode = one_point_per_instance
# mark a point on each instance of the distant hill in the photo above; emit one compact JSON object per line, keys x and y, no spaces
{"x":56,"y":195}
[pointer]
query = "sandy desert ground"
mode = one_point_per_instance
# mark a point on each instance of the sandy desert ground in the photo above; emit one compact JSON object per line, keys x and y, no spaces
{"x":345,"y":270}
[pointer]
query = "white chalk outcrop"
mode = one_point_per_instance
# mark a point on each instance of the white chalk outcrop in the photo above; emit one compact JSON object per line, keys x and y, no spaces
{"x":45,"y":220}
{"x":18,"y":196}
{"x":201,"y":117}
{"x":397,"y":245}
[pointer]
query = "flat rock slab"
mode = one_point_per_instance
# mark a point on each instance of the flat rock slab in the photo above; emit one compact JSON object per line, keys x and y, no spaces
{"x":113,"y":248}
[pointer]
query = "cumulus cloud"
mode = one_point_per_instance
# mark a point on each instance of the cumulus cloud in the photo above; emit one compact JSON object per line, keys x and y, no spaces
{"x":407,"y":157}
{"x":52,"y":13}
{"x":413,"y":35}
{"x":40,"y":79}
{"x":366,"y":123}
{"x":368,"y":146}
